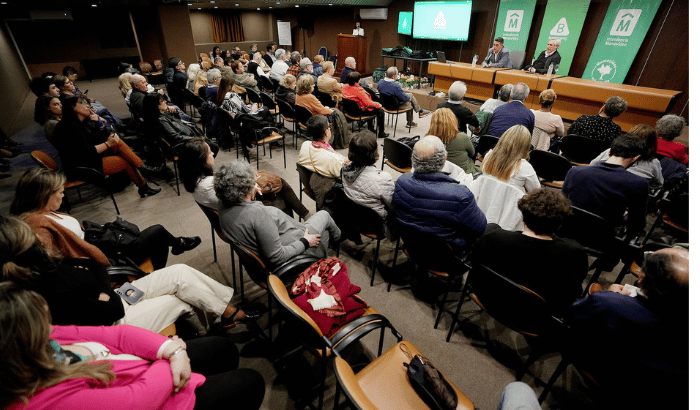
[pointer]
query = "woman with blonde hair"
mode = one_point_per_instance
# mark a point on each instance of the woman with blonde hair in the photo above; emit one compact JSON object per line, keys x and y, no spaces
{"x":192,"y":72}
{"x":124,"y":84}
{"x":305,"y":86}
{"x":508,"y":160}
{"x":200,"y":81}
{"x":547,"y":125}
{"x":104,"y":368}
{"x":460,"y":150}
{"x":285,"y":91}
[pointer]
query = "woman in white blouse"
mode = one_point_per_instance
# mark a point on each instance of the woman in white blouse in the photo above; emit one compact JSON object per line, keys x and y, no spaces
{"x":508,"y":160}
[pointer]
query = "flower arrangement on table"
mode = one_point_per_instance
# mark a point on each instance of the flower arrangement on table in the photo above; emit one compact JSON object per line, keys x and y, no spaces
{"x":410,"y":81}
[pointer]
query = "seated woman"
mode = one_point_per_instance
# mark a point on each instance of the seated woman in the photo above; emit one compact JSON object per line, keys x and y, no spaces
{"x":68,"y":89}
{"x":268,"y":232}
{"x":508,"y":160}
{"x":196,"y":167}
{"x":82,"y":145}
{"x":113,"y":367}
{"x":48,"y":112}
{"x":305,"y":85}
{"x":354,"y":91}
{"x":79,"y":292}
{"x":243,"y":79}
{"x":547,"y":125}
{"x":192,"y":72}
{"x":125,"y":85}
{"x":320,"y":158}
{"x":285,"y":91}
{"x":460,"y":150}
{"x":213,"y":79}
{"x":37,"y":198}
{"x":552,"y":267}
{"x":668,"y":128}
{"x":647,"y":166}
{"x":200,"y":81}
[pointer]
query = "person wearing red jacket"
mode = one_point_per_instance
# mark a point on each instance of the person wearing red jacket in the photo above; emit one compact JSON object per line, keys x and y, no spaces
{"x":354,"y":91}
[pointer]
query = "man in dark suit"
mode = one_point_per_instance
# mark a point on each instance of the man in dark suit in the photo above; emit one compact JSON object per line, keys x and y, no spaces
{"x":547,"y":57}
{"x":498,"y":55}
{"x":513,"y":113}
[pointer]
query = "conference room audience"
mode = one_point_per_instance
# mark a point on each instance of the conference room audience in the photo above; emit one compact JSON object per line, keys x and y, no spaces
{"x":363,"y":182}
{"x":498,"y":55}
{"x":547,"y":124}
{"x":350,"y":65}
{"x":460,"y":150}
{"x":327,"y":83}
{"x":265,"y":230}
{"x":647,"y":166}
{"x":668,"y":128}
{"x":429,"y":201}
{"x":550,"y":266}
{"x":81,"y":145}
{"x":280,"y":67}
{"x":72,"y":75}
{"x":243,"y":79}
{"x":513,"y":113}
{"x":608,"y":190}
{"x":294,"y":68}
{"x":78,"y":367}
{"x":354,"y":91}
{"x":389,"y":86}
{"x":464,"y":115}
{"x":546,"y":58}
{"x":305,"y":86}
{"x":287,"y":89}
{"x":503,"y":97}
{"x":601,"y":127}
{"x":196,"y":165}
{"x":38,"y":196}
{"x":508,"y":160}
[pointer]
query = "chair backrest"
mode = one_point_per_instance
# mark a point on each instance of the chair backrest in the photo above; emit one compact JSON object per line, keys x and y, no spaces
{"x":588,"y":229}
{"x":253,"y":97}
{"x":212,"y":215}
{"x":513,"y":305}
{"x":353,"y":218}
{"x":351,"y":108}
{"x":305,"y":178}
{"x":486,"y":143}
{"x":302,"y":114}
{"x":389,"y":102}
{"x":304,"y":327}
{"x":158,"y":64}
{"x":323,"y":51}
{"x":206,"y":64}
{"x":430,"y":253}
{"x":498,"y":200}
{"x":266,"y":84}
{"x":326,"y":99}
{"x":372,"y":93}
{"x":581,"y":150}
{"x":44,"y":160}
{"x":517,"y":58}
{"x":268,"y":101}
{"x":549,"y":166}
{"x":484,"y":121}
{"x":203,"y":55}
{"x":254,"y":265}
{"x":286,"y":110}
{"x":398,"y":153}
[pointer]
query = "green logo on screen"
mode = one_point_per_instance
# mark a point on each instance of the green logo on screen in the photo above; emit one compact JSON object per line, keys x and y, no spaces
{"x":604,"y":71}
{"x":440,"y":22}
{"x":625,"y":21}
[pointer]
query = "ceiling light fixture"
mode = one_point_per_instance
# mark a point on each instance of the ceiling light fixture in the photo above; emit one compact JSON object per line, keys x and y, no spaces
{"x":296,"y":5}
{"x":199,"y":8}
{"x":94,"y":5}
{"x":216,"y":7}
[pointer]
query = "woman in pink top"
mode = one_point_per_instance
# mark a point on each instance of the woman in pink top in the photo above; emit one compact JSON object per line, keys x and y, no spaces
{"x":116,"y":367}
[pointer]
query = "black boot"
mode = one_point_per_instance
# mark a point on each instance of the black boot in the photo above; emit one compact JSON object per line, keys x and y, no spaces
{"x":146,"y":190}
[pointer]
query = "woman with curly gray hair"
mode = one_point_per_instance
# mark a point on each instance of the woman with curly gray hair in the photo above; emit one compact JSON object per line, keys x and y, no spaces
{"x":669,"y":127}
{"x":265,"y":230}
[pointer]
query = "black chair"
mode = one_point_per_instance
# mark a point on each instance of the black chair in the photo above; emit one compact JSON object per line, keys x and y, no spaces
{"x":171,"y":154}
{"x":326,"y":99}
{"x":213,"y":217}
{"x":195,"y":102}
{"x":302,"y":115}
{"x":486,"y":144}
{"x":352,"y":112}
{"x":580,"y":150}
{"x":264,"y":83}
{"x":287,"y":113}
{"x":549,"y":167}
{"x":673,"y":212}
{"x":305,"y":184}
{"x":518,"y":308}
{"x":372,"y":93}
{"x":253,"y":97}
{"x":271,"y":105}
{"x":397,"y":155}
{"x":390,"y":105}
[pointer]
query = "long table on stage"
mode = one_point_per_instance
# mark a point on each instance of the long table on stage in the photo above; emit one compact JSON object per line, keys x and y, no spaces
{"x":418,"y":60}
{"x":575,"y":96}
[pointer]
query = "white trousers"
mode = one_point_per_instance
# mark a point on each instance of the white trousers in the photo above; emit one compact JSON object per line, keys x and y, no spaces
{"x":171,"y":292}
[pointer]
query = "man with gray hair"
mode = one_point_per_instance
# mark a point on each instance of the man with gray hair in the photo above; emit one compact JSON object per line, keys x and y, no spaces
{"x":491,"y":104}
{"x":307,"y":67}
{"x":429,"y":201}
{"x":255,"y":66}
{"x":350,"y":66}
{"x":513,"y":113}
{"x":601,"y":127}
{"x":389,"y":86}
{"x":546,"y":58}
{"x":279,"y":67}
{"x":464,"y":115}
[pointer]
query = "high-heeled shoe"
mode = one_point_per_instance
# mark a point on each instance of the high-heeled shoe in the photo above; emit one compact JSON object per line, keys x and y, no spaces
{"x":146,"y":190}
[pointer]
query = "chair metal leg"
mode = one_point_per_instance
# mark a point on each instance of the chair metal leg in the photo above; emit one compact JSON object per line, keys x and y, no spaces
{"x":455,"y":317}
{"x":284,"y":151}
{"x":594,"y":279}
{"x":557,"y":372}
{"x":384,"y":157}
{"x":336,"y":398}
{"x":441,"y":309}
{"x":625,"y":270}
{"x":324,"y":367}
{"x":655,"y":225}
{"x":233,"y":269}
{"x":240,"y":273}
{"x":393,"y":264}
{"x":79,"y":196}
{"x":257,"y":155}
{"x":177,"y":178}
{"x":114,"y":201}
{"x":374,"y":265}
{"x":213,"y":243}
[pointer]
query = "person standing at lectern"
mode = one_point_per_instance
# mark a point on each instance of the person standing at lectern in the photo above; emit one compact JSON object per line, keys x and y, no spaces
{"x":547,"y":57}
{"x":498,"y":55}
{"x":358,"y":31}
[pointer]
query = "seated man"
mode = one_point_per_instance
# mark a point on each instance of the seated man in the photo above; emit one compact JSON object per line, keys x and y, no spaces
{"x":429,"y":201}
{"x":177,"y":89}
{"x":546,"y":58}
{"x":648,"y":326}
{"x":270,"y":57}
{"x":389,"y":86}
{"x":513,"y":113}
{"x":350,"y":66}
{"x":327,"y":83}
{"x":601,"y":127}
{"x":307,"y":67}
{"x":354,"y":91}
{"x":503,"y":97}
{"x":44,"y":86}
{"x":549,"y":266}
{"x":319,"y":157}
{"x":608,"y":190}
{"x":265,"y":230}
{"x":498,"y":55}
{"x":280,"y":67}
{"x":255,"y":66}
{"x":139,"y":89}
{"x":212,"y":88}
{"x":224,"y":68}
{"x":464,"y":115}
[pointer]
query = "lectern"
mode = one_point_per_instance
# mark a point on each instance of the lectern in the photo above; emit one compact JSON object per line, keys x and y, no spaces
{"x":352,"y":46}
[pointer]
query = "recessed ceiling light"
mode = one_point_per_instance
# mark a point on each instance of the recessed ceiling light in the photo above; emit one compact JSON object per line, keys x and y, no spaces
{"x":189,"y":4}
{"x":296,"y":5}
{"x":278,"y":3}
{"x":4,"y":3}
{"x":236,"y":4}
{"x":270,"y":7}
{"x":94,"y":5}
{"x":216,"y":7}
{"x":258,"y":8}
{"x":199,"y":8}
{"x":330,"y":4}
{"x":212,"y":1}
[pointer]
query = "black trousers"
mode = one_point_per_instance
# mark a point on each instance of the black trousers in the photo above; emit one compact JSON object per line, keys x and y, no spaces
{"x":227,"y":386}
{"x":154,"y":242}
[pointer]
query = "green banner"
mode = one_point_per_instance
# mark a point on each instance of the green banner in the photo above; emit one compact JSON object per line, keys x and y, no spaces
{"x":624,"y":28}
{"x":514,"y":21}
{"x":563,"y":20}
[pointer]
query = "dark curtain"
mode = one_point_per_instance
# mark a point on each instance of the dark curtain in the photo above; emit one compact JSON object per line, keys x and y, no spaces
{"x":226,"y":27}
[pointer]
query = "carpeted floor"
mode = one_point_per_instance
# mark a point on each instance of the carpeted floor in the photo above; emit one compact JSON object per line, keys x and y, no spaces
{"x":478,"y":372}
